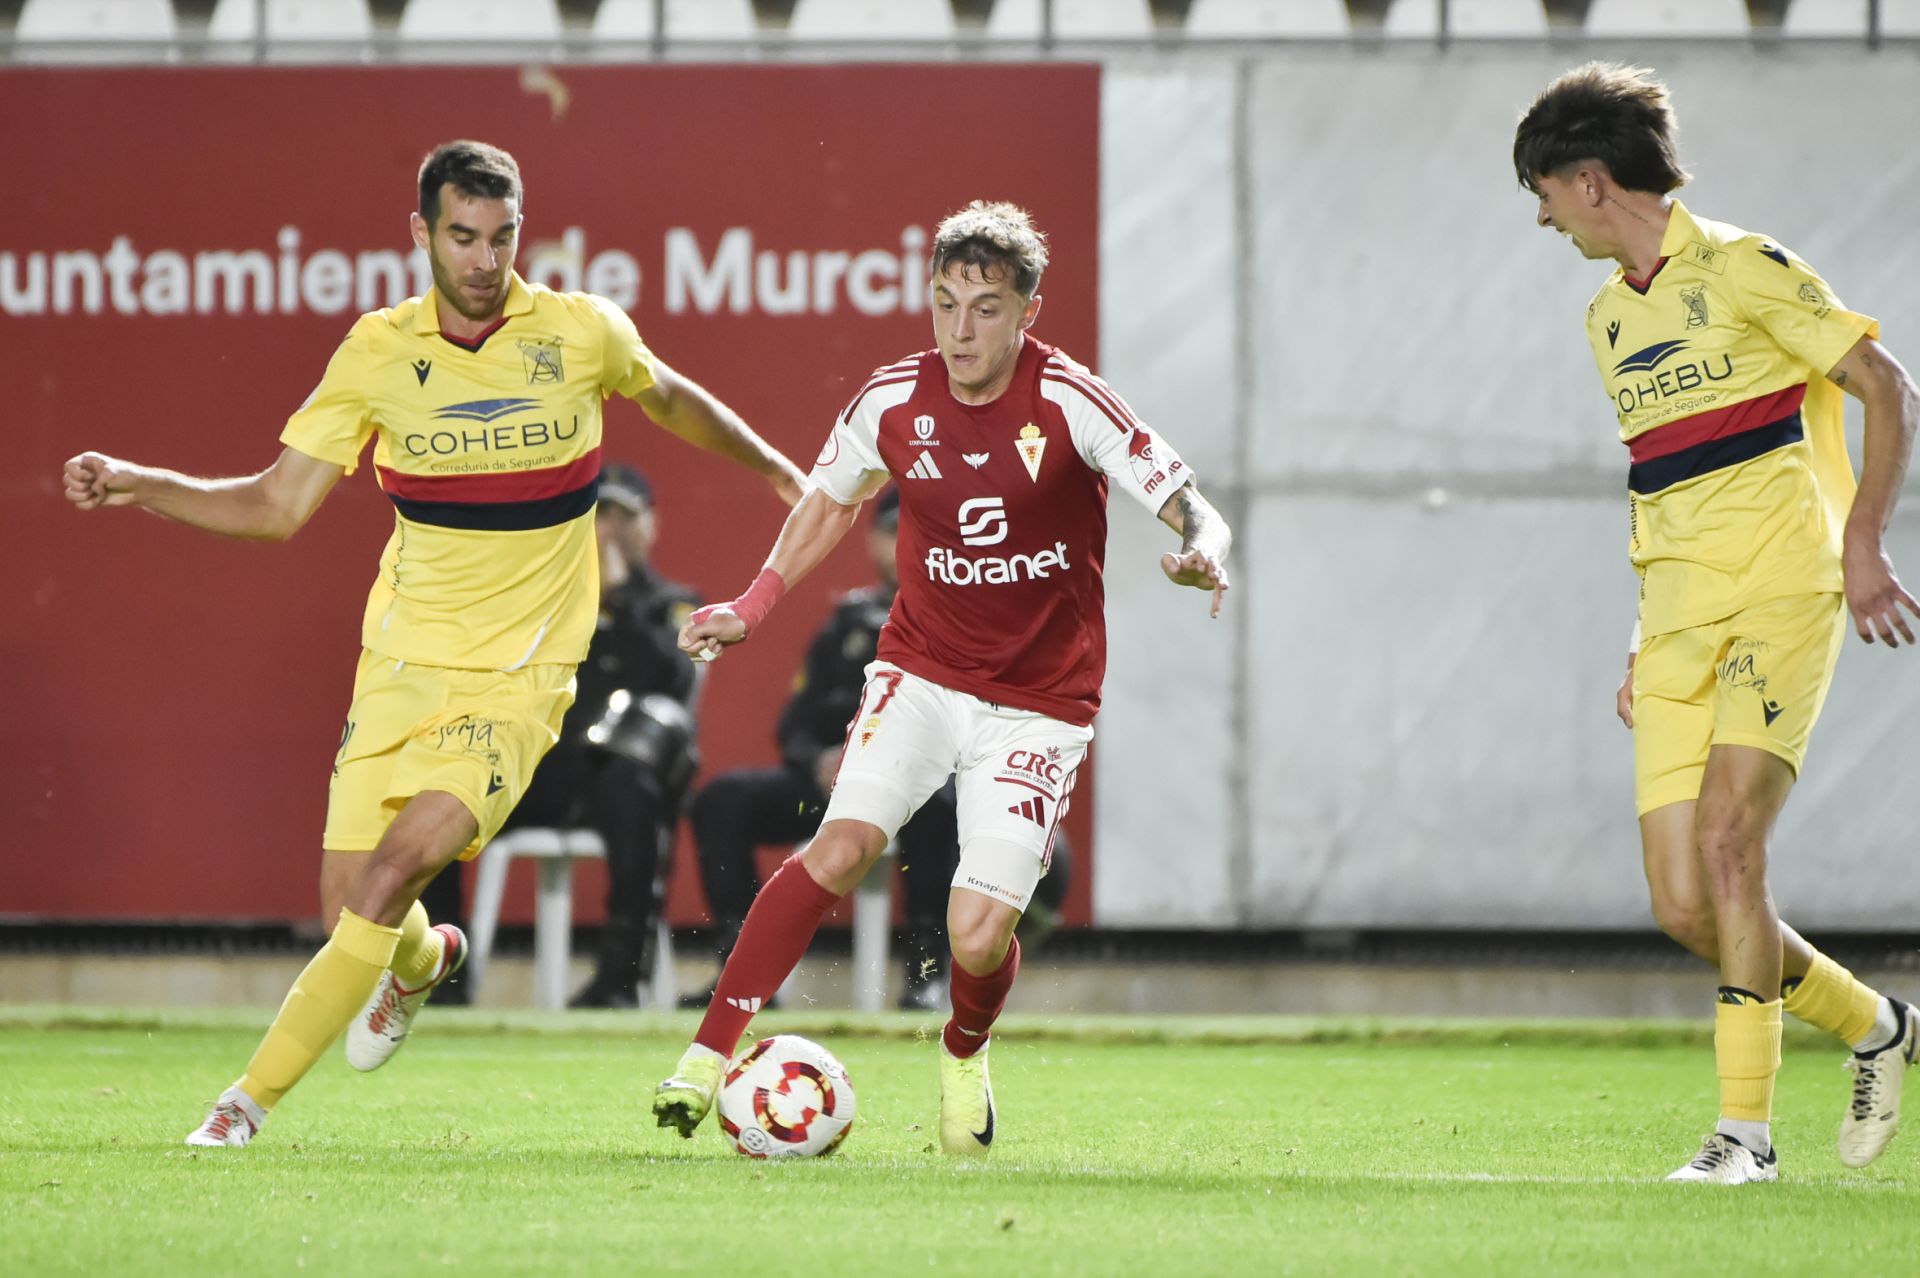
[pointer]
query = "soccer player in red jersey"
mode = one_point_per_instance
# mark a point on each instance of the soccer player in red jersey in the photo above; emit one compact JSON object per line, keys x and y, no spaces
{"x":991,"y":660}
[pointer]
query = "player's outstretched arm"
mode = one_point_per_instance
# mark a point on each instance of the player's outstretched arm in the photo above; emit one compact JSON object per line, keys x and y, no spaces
{"x":689,"y":410}
{"x":1204,"y":542}
{"x":269,"y":506}
{"x":1874,"y":594}
{"x":812,"y":530}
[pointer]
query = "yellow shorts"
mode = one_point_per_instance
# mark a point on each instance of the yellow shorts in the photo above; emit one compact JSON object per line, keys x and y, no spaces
{"x":1757,"y":678}
{"x":475,"y":734}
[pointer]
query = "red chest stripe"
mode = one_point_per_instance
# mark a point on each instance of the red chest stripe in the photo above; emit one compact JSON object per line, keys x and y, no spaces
{"x":492,"y":489}
{"x":1735,"y":419}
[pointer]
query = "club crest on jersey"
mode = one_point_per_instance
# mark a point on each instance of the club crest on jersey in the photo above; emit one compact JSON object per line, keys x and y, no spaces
{"x":869,"y":729}
{"x":1032,"y":445}
{"x":542,"y":360}
{"x":1695,"y":300}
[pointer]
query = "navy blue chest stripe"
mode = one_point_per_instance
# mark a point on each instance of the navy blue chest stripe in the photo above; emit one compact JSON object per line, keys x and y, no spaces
{"x":505,"y":516}
{"x":1657,"y":473}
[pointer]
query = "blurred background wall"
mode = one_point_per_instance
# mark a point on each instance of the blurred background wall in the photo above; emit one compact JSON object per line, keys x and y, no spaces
{"x":1314,"y":272}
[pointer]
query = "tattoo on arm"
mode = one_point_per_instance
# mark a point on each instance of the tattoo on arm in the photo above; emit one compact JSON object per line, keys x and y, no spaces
{"x":1200,"y":525}
{"x":1840,"y":378}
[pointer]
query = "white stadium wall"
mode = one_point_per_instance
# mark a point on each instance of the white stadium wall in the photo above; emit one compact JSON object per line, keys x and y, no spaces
{"x":1406,"y":719}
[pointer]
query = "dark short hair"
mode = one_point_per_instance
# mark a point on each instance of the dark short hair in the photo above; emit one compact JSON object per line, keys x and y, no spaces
{"x":626,"y":487}
{"x":476,"y":169}
{"x":1618,"y":115}
{"x":993,"y":236}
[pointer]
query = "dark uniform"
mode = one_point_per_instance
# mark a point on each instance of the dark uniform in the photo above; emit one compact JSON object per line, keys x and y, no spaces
{"x":621,"y":768}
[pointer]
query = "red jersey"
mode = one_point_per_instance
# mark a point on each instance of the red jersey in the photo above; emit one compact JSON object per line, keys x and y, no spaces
{"x":1003,"y":522}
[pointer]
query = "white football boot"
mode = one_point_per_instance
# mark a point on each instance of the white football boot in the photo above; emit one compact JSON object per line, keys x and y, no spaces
{"x":376,"y":1034}
{"x":1873,"y":1114}
{"x":234,"y":1120}
{"x":1722,"y":1160}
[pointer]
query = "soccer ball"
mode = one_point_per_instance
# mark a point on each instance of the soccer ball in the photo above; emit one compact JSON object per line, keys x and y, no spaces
{"x":786,"y":1097}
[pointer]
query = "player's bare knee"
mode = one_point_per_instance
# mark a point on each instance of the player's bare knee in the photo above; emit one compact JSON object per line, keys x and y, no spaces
{"x":839,"y":857}
{"x":979,"y":933}
{"x":982,"y":948}
{"x":1733,"y":852}
{"x":1691,"y":923}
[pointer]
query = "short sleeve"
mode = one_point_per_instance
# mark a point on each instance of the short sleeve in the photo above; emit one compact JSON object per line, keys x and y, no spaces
{"x":1788,"y":299}
{"x":626,"y":366}
{"x":848,"y":462}
{"x":1114,"y":441}
{"x":336,"y":421}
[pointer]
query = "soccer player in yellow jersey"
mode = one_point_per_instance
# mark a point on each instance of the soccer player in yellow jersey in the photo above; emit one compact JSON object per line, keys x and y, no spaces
{"x":484,"y":397}
{"x":1725,"y":357}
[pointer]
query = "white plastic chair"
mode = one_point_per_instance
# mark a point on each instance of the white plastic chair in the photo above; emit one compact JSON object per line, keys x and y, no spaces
{"x":291,"y":24}
{"x":1072,"y":20}
{"x":1270,"y":19}
{"x":1825,"y":19}
{"x":556,"y":851}
{"x":97,"y":24}
{"x":685,"y":20}
{"x":1608,"y":18}
{"x":871,"y":20}
{"x":485,"y":29}
{"x":1467,"y":19}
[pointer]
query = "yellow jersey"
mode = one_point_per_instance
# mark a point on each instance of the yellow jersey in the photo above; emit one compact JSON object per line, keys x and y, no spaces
{"x":490,"y":453}
{"x":1716,"y":364}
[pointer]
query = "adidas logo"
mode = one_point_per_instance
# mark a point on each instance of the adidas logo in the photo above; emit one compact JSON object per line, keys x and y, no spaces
{"x":923,"y":468}
{"x":1034,"y":810}
{"x":747,"y":1005}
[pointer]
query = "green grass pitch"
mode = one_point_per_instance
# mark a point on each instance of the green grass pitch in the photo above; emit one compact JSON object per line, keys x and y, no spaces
{"x":522,"y":1145}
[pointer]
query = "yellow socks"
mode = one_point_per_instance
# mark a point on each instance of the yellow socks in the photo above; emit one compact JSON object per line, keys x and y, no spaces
{"x":1746,"y":1055}
{"x":1829,"y":997}
{"x":417,"y":956}
{"x":324,"y":999}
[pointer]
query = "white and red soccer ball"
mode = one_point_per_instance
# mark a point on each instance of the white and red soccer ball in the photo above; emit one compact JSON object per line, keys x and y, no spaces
{"x":786,"y":1097}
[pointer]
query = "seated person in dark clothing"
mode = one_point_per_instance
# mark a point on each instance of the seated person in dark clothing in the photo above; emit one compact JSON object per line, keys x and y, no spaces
{"x":625,"y":752}
{"x":742,"y":811}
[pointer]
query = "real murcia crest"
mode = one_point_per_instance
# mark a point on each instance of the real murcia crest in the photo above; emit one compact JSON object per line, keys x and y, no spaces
{"x":1032,"y":445}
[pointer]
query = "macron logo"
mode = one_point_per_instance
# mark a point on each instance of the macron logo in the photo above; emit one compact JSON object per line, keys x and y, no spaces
{"x":747,"y":1005}
{"x":924,"y":468}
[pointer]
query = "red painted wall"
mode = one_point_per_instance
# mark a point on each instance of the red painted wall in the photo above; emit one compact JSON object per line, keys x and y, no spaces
{"x":172,"y":701}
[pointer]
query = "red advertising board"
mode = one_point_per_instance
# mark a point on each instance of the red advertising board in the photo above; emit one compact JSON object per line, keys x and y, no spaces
{"x":181,"y":250}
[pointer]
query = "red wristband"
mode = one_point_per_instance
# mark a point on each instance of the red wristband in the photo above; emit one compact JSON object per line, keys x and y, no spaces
{"x":756,"y":601}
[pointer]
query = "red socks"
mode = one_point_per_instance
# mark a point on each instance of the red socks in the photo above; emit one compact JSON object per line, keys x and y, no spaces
{"x":977,"y":1001}
{"x":777,"y":932}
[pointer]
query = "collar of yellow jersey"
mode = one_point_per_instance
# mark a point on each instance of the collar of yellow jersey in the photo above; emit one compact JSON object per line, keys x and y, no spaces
{"x":1682,"y":230}
{"x":519,"y":301}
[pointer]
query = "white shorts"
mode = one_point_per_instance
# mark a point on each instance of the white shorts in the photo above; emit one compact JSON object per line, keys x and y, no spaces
{"x":1015,"y":771}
